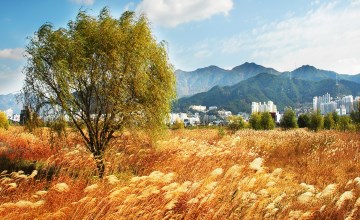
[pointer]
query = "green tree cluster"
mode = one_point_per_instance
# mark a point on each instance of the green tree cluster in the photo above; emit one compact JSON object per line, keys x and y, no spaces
{"x":105,"y":74}
{"x":261,"y":121}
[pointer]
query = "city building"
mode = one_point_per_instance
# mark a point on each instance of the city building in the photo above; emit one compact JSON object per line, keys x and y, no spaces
{"x":263,"y":107}
{"x":326,"y":104}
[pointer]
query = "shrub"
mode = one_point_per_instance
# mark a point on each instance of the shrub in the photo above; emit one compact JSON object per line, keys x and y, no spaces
{"x":344,"y":123}
{"x":267,"y":122}
{"x":4,"y":122}
{"x":255,"y":121}
{"x":316,"y":122}
{"x":236,"y":123}
{"x":288,"y":120}
{"x":179,"y":124}
{"x":303,"y":121}
{"x":329,"y":122}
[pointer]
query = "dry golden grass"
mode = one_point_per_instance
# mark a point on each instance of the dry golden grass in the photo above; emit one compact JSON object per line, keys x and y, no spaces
{"x":188,"y":174}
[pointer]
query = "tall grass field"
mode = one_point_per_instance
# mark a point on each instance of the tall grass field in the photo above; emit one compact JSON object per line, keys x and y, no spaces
{"x":186,"y":174}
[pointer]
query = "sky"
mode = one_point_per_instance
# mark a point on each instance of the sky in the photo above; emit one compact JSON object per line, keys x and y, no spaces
{"x":281,"y":34}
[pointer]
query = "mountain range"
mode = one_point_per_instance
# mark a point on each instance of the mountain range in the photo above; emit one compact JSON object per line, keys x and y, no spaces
{"x":235,"y":89}
{"x":203,"y":79}
{"x":263,"y":87}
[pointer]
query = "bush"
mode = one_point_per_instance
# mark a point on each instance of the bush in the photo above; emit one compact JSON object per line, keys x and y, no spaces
{"x":288,"y":120}
{"x":329,"y":122}
{"x":316,"y":122}
{"x":344,"y":123}
{"x":178,"y":124}
{"x":236,"y":123}
{"x":255,"y":121}
{"x":303,"y":121}
{"x":4,"y":122}
{"x":267,"y":122}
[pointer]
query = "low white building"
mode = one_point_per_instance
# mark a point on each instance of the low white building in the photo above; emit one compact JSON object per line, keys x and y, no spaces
{"x":9,"y":113}
{"x":224,"y":114}
{"x":199,"y":108}
{"x":192,"y":120}
{"x":212,"y":108}
{"x":16,"y":118}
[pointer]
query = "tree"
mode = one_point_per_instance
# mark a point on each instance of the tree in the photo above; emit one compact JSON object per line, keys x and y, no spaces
{"x":316,"y":122}
{"x":4,"y":122}
{"x":105,"y":74}
{"x":355,"y":115}
{"x":255,"y":121}
{"x":303,"y":120}
{"x":236,"y":123}
{"x":344,"y":123}
{"x":329,"y":122}
{"x":267,"y":122}
{"x":288,"y":120}
{"x":336,"y":118}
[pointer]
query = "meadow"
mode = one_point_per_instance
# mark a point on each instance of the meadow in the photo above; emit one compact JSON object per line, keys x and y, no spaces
{"x":187,"y":174}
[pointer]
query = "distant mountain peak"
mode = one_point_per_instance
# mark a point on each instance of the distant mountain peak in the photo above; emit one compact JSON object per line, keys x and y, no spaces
{"x":209,"y":68}
{"x":306,"y":68}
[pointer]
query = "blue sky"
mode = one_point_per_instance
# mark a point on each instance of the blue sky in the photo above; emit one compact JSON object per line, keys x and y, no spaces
{"x":282,"y":34}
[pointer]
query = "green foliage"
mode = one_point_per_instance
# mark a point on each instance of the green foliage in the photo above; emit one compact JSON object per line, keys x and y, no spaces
{"x":179,"y":124}
{"x":59,"y":126}
{"x":329,"y":122}
{"x":303,"y":121}
{"x":344,"y":123}
{"x":261,"y":121}
{"x":236,"y":123}
{"x":267,"y":122}
{"x":33,"y":121}
{"x":288,"y":120}
{"x":316,"y":122}
{"x":355,"y":115}
{"x":221,"y":132}
{"x":104,"y":73}
{"x":4,"y":122}
{"x":255,"y":121}
{"x":336,"y":118}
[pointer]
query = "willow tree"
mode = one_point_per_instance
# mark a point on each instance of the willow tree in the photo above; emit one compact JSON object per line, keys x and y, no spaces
{"x":104,"y":74}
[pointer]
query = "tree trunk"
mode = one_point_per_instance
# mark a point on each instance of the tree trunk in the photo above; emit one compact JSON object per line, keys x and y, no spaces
{"x":100,"y":164}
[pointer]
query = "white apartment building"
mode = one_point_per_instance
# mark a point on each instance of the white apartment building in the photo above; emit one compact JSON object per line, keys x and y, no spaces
{"x":325,"y":104}
{"x":263,"y":107}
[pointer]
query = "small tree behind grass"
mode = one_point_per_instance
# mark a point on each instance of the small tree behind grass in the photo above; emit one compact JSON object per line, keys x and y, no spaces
{"x":355,"y":115}
{"x":255,"y":121}
{"x":236,"y":123}
{"x":267,"y":122}
{"x":303,"y":120}
{"x":178,"y":124}
{"x":4,"y":122}
{"x":329,"y":122}
{"x":344,"y":123}
{"x":288,"y":120}
{"x":316,"y":122}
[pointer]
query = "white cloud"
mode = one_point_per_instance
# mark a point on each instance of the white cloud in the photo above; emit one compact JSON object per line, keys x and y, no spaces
{"x":327,"y":37}
{"x":170,"y":13}
{"x":12,"y":54}
{"x":84,"y":2}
